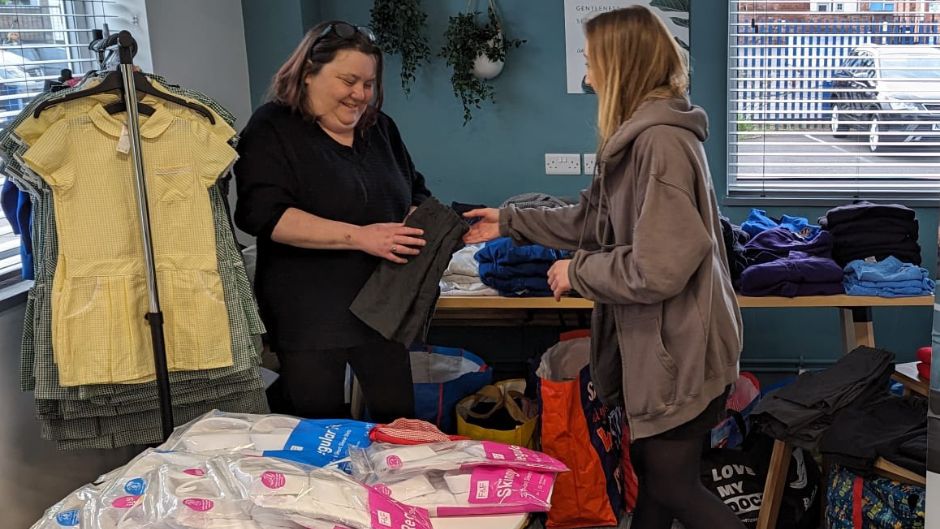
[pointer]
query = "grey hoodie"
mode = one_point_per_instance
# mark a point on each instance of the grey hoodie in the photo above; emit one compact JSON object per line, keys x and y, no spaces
{"x":667,"y":332}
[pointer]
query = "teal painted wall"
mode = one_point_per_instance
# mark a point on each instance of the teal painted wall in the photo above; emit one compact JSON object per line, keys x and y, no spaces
{"x":501,"y":152}
{"x":272,"y":30}
{"x":310,"y":13}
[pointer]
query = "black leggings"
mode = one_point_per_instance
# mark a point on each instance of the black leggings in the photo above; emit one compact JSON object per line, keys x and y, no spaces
{"x":669,"y":476}
{"x":312,"y":382}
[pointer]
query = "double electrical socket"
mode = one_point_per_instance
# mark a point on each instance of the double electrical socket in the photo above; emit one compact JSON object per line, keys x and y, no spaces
{"x":568,"y":164}
{"x":562,"y":163}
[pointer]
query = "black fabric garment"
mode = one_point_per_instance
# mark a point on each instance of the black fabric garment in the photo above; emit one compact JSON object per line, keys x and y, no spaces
{"x":398,"y":300}
{"x":735,"y":238}
{"x":802,"y":411}
{"x":289,"y":162}
{"x":460,"y":208}
{"x":908,"y":252}
{"x":877,"y":225}
{"x":892,"y":427}
{"x":862,"y":209}
{"x":313,"y":381}
{"x":863,"y":229}
{"x":875,"y":239}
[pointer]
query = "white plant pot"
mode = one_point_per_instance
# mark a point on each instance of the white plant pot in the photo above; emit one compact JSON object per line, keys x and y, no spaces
{"x":486,"y":68}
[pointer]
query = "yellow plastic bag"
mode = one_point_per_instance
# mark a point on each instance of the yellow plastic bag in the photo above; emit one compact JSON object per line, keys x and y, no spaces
{"x":508,"y":395}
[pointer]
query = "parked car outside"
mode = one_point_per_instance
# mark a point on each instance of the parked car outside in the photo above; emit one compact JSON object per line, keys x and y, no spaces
{"x":892,"y":92}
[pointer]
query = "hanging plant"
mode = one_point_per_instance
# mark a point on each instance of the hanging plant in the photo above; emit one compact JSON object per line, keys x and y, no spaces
{"x":399,"y":28}
{"x":476,"y":53}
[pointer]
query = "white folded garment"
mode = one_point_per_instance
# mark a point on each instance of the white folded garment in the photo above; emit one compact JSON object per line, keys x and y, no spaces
{"x":317,"y":442}
{"x":463,"y":262}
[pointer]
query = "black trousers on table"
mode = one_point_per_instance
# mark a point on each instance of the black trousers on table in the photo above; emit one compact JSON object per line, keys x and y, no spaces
{"x":312,"y":382}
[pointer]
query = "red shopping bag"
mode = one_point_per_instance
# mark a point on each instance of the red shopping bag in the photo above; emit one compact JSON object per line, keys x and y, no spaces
{"x":587,"y":436}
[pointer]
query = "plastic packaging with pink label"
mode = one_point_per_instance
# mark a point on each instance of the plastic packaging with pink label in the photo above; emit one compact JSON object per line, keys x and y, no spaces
{"x":383,"y":463}
{"x":481,"y":490}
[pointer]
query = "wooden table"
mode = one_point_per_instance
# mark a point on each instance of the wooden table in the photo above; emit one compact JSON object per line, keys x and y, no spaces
{"x":856,"y":330}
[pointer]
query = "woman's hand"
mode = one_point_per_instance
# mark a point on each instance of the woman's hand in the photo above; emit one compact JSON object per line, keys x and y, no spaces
{"x":558,"y":278}
{"x":389,"y":240}
{"x":485,"y":229}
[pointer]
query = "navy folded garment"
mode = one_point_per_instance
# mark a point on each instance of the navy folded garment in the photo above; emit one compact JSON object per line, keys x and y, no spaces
{"x":800,"y":275}
{"x":522,"y":286}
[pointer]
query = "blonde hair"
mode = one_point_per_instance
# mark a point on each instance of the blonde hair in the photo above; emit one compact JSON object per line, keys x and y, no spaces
{"x":633,"y":58}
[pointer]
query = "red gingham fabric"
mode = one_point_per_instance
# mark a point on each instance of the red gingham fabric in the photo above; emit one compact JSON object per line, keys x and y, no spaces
{"x":410,"y":432}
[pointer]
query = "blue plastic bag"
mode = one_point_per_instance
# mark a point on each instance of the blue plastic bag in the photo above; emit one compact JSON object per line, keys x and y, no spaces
{"x":442,"y":376}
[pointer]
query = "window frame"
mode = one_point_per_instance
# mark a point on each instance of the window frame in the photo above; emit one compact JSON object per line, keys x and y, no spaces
{"x":820,"y":188}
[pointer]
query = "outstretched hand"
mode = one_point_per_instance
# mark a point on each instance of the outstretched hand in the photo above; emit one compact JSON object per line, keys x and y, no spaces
{"x":485,"y":229}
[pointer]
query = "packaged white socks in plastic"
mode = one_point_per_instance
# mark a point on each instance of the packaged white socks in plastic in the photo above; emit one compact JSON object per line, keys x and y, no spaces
{"x":317,"y":442}
{"x":173,"y":490}
{"x":380,"y":463}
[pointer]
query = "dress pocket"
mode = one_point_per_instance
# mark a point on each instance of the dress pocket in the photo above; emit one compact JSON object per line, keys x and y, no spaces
{"x":99,"y":340}
{"x":173,"y":183}
{"x":649,"y":370}
{"x":198,"y":334}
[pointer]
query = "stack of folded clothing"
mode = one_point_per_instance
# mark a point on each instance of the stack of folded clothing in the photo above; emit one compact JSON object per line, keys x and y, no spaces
{"x":783,"y":263}
{"x":801,"y":412}
{"x":863,"y":229}
{"x":462,"y":277}
{"x":890,"y":427}
{"x":758,"y":221}
{"x":889,"y":278}
{"x":517,"y":270}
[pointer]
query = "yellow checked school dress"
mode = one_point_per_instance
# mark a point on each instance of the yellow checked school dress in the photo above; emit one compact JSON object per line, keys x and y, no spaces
{"x":99,"y":290}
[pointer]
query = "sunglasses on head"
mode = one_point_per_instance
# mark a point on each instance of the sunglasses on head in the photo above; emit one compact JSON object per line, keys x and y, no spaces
{"x":344,"y":31}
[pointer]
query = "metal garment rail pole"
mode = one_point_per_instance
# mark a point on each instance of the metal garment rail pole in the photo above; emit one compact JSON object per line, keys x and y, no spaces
{"x":154,"y":316}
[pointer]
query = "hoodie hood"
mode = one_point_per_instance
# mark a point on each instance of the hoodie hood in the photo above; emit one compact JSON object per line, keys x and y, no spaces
{"x":678,"y":112}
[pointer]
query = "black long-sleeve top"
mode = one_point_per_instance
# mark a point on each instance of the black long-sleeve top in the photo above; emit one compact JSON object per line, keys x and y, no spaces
{"x":287,"y":161}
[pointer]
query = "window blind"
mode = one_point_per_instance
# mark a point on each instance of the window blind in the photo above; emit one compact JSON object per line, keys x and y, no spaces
{"x":834,"y":99}
{"x":38,"y":39}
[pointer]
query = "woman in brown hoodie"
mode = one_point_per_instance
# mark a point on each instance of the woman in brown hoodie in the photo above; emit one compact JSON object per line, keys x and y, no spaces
{"x":666,"y":326}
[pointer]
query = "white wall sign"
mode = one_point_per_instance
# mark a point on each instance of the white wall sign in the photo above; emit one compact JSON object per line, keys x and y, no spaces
{"x":674,"y":12}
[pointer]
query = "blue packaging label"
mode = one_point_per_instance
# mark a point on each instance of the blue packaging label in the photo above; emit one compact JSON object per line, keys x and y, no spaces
{"x":135,"y":487}
{"x":68,"y":518}
{"x":321,"y":442}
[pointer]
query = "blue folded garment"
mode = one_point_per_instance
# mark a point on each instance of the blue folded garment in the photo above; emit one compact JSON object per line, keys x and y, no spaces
{"x":889,"y":278}
{"x":500,"y":271}
{"x":887,"y":270}
{"x":505,"y":252}
{"x":758,"y":221}
{"x":886,"y":292}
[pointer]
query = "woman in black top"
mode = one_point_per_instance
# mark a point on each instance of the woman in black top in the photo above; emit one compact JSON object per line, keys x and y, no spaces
{"x":324,"y":183}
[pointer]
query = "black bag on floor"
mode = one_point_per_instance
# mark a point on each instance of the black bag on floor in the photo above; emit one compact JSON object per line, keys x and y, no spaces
{"x":737,"y":476}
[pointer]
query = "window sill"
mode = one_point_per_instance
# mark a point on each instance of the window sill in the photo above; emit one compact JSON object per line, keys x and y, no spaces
{"x":14,"y":294}
{"x":827,"y":202}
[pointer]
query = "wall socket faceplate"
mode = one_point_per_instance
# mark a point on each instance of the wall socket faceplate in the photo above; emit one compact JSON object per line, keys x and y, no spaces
{"x":563,"y":164}
{"x":589,"y":162}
